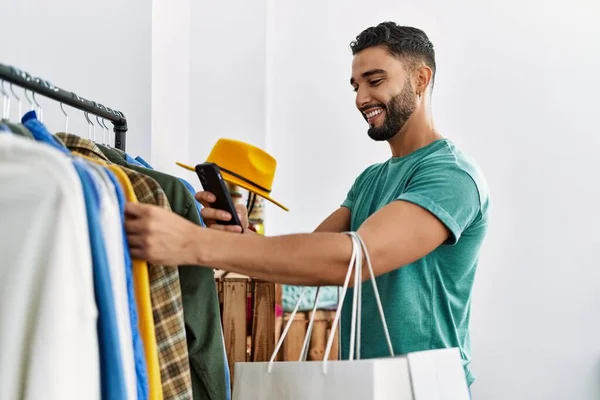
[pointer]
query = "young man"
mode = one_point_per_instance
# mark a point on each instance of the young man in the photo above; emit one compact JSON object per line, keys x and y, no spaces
{"x":423,"y":214}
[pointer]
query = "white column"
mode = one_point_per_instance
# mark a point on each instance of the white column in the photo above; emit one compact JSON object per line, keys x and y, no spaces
{"x":171,"y":48}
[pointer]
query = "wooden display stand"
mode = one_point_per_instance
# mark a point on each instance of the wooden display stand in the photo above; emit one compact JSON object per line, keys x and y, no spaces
{"x":248,"y":318}
{"x":292,"y":345}
{"x":250,"y":328}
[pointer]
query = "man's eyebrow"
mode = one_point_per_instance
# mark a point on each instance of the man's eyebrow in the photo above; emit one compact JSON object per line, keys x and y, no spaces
{"x":368,"y":73}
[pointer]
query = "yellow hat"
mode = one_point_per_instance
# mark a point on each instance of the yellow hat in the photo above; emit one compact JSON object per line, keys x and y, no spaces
{"x":244,"y":165}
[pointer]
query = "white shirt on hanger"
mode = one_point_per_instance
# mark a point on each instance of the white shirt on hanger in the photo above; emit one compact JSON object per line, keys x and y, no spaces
{"x":48,"y":314}
{"x":112,"y":232}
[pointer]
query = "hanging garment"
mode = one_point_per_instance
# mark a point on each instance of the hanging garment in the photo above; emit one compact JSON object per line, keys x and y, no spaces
{"x":139,"y":353}
{"x":328,"y":297}
{"x":111,"y":365}
{"x":192,"y":191}
{"x":111,"y":369}
{"x":18,"y":129}
{"x":139,"y":358}
{"x":41,"y":133}
{"x":164,"y":286}
{"x":112,"y":230}
{"x":200,"y":300}
{"x":146,"y":357}
{"x":143,"y":163}
{"x":48,"y":314}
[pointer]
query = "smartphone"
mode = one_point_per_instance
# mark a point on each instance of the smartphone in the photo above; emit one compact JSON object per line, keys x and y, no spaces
{"x":212,"y":181}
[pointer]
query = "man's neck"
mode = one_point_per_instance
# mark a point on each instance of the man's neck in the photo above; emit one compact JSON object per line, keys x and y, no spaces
{"x":419,"y":131}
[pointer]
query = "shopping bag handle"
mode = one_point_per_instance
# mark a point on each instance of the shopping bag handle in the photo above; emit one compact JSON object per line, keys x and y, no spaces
{"x":305,"y":345}
{"x":355,"y":311}
{"x":301,"y":297}
{"x":358,"y":249}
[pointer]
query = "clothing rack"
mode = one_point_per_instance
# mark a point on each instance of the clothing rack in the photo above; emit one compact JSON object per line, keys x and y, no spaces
{"x":45,"y":88}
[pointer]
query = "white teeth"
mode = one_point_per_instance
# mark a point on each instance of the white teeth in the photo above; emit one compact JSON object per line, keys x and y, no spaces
{"x":374,"y":113}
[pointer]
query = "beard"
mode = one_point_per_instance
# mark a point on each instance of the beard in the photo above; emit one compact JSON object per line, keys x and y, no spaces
{"x":397,"y":112}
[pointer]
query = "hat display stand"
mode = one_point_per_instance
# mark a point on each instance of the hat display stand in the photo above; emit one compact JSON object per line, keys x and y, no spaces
{"x":247,"y":304}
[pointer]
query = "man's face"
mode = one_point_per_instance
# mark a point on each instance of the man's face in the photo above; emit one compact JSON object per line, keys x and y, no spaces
{"x":384,"y":93}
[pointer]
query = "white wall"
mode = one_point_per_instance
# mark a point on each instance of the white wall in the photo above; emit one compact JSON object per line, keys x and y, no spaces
{"x":209,"y":69}
{"x":97,"y":49}
{"x":521,"y":96}
{"x":171,"y":64}
{"x":227,"y":83}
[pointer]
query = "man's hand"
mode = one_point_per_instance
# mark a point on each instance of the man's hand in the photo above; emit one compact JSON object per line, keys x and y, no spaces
{"x":212,"y":215}
{"x":159,"y":236}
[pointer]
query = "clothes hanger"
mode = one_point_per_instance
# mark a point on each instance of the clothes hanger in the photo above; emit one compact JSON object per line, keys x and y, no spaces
{"x":91,"y":127}
{"x":62,"y":107}
{"x":107,"y":132}
{"x":20,"y":105}
{"x":101,"y":123}
{"x":40,"y":111}
{"x":5,"y":102}
{"x":111,"y":136}
{"x":31,"y":105}
{"x":103,"y":139}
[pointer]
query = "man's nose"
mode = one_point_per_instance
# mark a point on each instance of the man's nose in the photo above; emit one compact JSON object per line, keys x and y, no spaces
{"x":363,"y":97}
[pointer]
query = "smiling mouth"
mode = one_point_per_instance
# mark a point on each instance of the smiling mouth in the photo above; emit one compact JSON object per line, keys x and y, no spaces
{"x":373,"y":114}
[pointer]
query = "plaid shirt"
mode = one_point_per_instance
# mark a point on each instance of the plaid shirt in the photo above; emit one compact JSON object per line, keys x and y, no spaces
{"x":165,"y":289}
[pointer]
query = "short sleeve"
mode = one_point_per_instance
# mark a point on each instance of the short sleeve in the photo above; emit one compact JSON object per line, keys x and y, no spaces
{"x":448,"y":192}
{"x":350,"y":197}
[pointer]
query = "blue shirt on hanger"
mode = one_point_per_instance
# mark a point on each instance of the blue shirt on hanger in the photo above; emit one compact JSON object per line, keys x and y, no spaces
{"x":140,"y":160}
{"x":138,"y":346}
{"x":134,"y":161}
{"x":41,"y":133}
{"x":111,"y":368}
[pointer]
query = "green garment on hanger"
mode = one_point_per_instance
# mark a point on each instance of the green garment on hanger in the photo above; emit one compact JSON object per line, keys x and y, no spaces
{"x":200,"y":300}
{"x":18,"y":129}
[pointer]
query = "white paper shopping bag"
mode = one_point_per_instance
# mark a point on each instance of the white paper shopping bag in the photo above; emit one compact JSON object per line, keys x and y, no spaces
{"x":377,"y":379}
{"x":438,"y":374}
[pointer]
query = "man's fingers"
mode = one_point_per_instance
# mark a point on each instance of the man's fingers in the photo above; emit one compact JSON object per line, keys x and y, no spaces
{"x":135,"y":226}
{"x":135,"y":210}
{"x":205,"y":198}
{"x":137,"y":253}
{"x":230,"y":228}
{"x":135,"y":241}
{"x":226,"y":228}
{"x":235,"y":228}
{"x":213,"y":213}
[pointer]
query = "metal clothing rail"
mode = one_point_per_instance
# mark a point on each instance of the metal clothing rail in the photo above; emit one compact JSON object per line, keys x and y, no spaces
{"x":45,"y":88}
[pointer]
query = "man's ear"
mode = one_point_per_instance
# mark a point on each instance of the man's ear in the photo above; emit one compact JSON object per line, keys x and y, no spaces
{"x":422,"y":78}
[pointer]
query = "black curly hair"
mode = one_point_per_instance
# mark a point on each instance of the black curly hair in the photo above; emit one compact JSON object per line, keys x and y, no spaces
{"x":404,"y":42}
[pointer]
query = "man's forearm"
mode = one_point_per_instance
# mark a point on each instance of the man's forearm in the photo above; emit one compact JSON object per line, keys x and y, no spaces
{"x":313,"y":259}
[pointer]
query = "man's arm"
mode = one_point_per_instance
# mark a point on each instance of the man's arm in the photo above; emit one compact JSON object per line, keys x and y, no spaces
{"x":397,"y":235}
{"x":438,"y":205}
{"x":338,"y":221}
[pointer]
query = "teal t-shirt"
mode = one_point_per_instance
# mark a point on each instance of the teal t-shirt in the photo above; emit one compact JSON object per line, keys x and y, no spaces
{"x":427,"y":304}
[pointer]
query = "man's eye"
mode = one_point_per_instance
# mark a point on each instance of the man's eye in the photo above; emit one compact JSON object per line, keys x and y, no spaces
{"x":375,"y":82}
